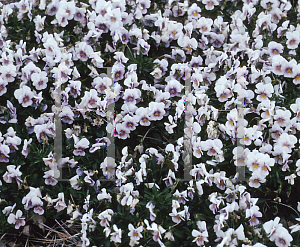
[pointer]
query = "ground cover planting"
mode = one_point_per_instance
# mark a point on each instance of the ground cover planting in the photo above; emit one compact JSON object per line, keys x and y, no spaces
{"x":150,"y":123}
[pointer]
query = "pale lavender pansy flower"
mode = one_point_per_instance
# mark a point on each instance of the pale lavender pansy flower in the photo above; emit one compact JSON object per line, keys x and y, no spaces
{"x":108,"y":167}
{"x":74,"y":88}
{"x":174,"y":88}
{"x":80,"y":145}
{"x":13,"y":172}
{"x":42,"y":132}
{"x":82,"y":51}
{"x":3,"y":85}
{"x":4,"y":153}
{"x":156,"y":111}
{"x":50,"y":178}
{"x":24,"y":95}
{"x":143,"y":114}
{"x":122,"y":131}
{"x":16,"y":219}
{"x":88,"y":178}
{"x":67,"y":115}
{"x":60,"y":202}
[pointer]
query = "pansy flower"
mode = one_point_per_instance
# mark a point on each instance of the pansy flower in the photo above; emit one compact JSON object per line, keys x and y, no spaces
{"x":39,"y":80}
{"x":6,"y":59}
{"x":296,"y":80}
{"x":188,"y":44}
{"x":118,"y":72}
{"x":282,"y":237}
{"x":60,"y":202}
{"x":80,"y":145}
{"x":264,"y":91}
{"x":67,"y":115}
{"x":175,"y":30}
{"x":156,"y":111}
{"x":289,"y":69}
{"x":132,"y":96}
{"x":204,"y":24}
{"x":101,"y":23}
{"x":141,"y":8}
{"x":122,"y":131}
{"x":3,"y":85}
{"x":123,"y":35}
{"x":135,"y":233}
{"x":131,"y":122}
{"x":282,"y":117}
{"x":210,"y":4}
{"x":194,"y":11}
{"x":24,"y":95}
{"x":74,"y":88}
{"x":52,"y":7}
{"x":16,"y":219}
{"x":12,"y":172}
{"x":174,"y":88}
{"x":8,"y":73}
{"x":82,"y":51}
{"x":142,"y":46}
{"x":286,"y":142}
{"x":143,"y":114}
{"x":105,"y":217}
{"x":256,"y":179}
{"x":42,"y":132}
{"x":39,"y":22}
{"x":79,"y":14}
{"x":116,"y":236}
{"x":25,"y":147}
{"x":293,"y":39}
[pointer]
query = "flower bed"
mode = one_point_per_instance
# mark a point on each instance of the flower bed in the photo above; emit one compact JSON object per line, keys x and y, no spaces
{"x":197,"y":99}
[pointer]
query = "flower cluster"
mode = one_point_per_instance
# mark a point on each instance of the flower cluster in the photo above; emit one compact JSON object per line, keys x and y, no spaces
{"x":141,"y":117}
